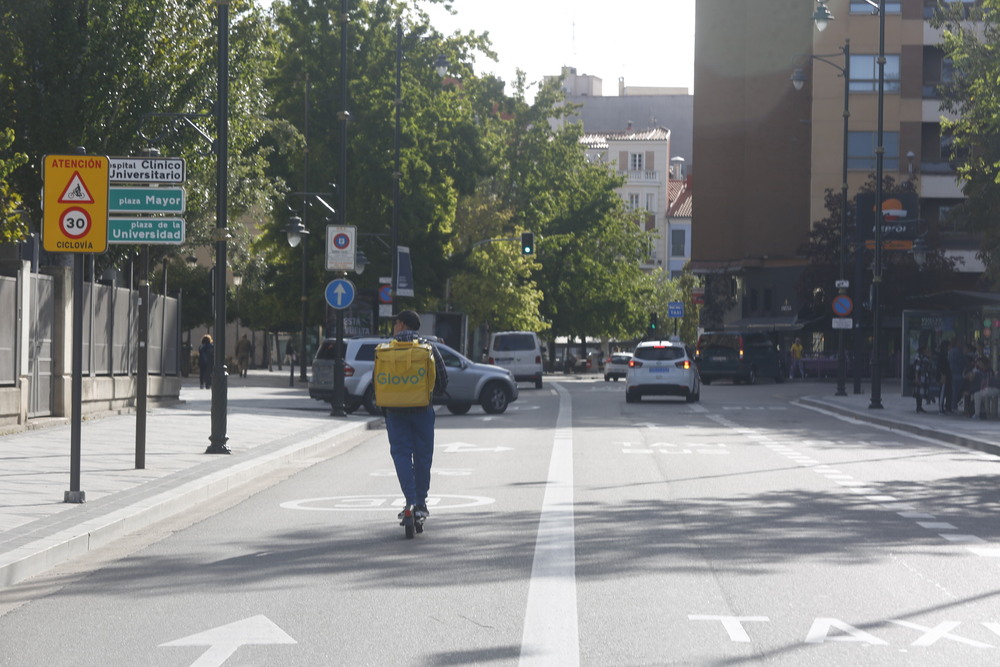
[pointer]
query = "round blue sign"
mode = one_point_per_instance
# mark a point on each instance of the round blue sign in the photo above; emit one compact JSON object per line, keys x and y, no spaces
{"x":341,"y":241}
{"x":385,"y":294}
{"x":842,"y":305}
{"x":340,"y":293}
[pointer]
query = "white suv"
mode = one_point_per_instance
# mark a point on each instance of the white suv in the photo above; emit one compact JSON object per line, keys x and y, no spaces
{"x":662,"y":368}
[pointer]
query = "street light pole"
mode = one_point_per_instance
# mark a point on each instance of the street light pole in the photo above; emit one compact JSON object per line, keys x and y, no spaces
{"x":220,"y":236}
{"x":798,"y":79}
{"x":876,"y":396}
{"x":297,"y":232}
{"x":337,"y":408}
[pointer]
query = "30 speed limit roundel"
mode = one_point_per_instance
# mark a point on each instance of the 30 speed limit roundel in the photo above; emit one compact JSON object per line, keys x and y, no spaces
{"x":75,"y":222}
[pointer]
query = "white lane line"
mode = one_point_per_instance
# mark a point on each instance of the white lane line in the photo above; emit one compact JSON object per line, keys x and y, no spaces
{"x":551,"y":631}
{"x":936,"y":525}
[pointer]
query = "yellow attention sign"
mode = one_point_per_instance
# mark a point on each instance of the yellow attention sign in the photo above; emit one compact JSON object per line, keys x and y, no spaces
{"x":75,"y":203}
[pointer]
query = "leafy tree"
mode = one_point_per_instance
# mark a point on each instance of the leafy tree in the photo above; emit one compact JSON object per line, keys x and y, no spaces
{"x":12,"y":225}
{"x":440,"y":148}
{"x":88,"y":73}
{"x":971,"y":39}
{"x":902,"y":276}
{"x":588,"y":245}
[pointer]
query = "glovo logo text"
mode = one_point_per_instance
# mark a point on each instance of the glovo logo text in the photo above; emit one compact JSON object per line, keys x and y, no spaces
{"x":386,"y":378}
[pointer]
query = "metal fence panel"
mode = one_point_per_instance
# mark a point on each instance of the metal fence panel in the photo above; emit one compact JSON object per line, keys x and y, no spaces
{"x":8,"y":331}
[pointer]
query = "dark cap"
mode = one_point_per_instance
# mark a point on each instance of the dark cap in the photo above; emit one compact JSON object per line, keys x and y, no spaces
{"x":408,"y":318}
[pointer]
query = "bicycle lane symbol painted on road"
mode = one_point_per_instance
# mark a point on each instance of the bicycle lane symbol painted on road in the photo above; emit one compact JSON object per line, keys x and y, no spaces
{"x":382,"y":502}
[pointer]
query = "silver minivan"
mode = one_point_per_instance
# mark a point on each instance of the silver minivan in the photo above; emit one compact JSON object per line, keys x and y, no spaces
{"x":520,"y":352}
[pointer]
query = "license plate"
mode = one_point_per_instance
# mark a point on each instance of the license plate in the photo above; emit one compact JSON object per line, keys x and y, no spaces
{"x":659,"y":370}
{"x":720,"y":359}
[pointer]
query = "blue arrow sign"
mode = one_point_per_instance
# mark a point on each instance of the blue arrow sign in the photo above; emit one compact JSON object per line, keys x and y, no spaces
{"x":340,"y":293}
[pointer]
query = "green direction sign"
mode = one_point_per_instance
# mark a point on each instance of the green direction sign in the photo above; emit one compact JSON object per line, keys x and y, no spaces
{"x":146,"y":230}
{"x":137,"y":199}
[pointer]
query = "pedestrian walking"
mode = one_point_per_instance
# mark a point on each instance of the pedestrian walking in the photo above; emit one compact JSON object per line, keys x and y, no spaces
{"x":922,"y":376}
{"x":957,"y":368}
{"x":243,"y":350}
{"x":945,"y":398}
{"x":796,"y":353}
{"x":985,"y":387}
{"x":411,"y":430}
{"x":206,"y":361}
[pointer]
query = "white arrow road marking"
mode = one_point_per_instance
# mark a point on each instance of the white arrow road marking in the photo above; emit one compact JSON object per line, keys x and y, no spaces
{"x":225,"y":640}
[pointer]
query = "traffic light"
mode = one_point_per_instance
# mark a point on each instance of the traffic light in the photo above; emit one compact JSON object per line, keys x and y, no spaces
{"x":527,"y":243}
{"x":653,"y":321}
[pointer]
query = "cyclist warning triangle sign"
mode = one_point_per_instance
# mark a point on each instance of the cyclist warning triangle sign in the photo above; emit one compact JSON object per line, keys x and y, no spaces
{"x":76,"y":192}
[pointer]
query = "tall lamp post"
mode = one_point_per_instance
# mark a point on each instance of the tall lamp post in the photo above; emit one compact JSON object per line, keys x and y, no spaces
{"x":876,"y":397}
{"x":822,"y":16}
{"x":220,"y":236}
{"x":297,"y":232}
{"x":798,"y":80}
{"x":440,"y":65}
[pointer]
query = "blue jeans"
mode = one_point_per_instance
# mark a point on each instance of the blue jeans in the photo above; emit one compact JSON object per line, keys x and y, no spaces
{"x":411,"y":444}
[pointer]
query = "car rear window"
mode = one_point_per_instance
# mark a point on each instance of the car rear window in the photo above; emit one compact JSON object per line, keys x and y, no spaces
{"x":327,"y":351}
{"x":719,"y":340}
{"x":514,"y":342}
{"x":659,"y":353}
{"x":366,"y":352}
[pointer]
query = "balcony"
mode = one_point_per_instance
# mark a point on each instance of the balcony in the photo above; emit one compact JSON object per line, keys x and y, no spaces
{"x":651,"y":176}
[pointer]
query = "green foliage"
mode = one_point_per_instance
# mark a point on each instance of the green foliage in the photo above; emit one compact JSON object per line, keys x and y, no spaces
{"x":88,"y":73}
{"x":971,"y":40}
{"x":12,"y":227}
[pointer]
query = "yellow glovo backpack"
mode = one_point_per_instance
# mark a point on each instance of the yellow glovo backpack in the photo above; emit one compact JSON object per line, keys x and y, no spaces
{"x":404,"y":374}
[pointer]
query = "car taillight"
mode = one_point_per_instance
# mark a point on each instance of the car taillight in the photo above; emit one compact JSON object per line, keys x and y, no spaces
{"x":538,"y":359}
{"x":348,"y":371}
{"x":491,"y":362}
{"x":686,"y":364}
{"x":634,"y":363}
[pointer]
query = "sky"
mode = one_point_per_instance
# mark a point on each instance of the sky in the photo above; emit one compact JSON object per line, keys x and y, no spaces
{"x":649,"y":42}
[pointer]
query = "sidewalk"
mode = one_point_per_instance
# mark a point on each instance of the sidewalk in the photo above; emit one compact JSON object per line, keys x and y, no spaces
{"x":900,"y":413}
{"x":268,"y":425}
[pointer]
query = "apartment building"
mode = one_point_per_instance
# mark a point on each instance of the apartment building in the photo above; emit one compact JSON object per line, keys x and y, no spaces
{"x":654,"y":185}
{"x":767,"y":152}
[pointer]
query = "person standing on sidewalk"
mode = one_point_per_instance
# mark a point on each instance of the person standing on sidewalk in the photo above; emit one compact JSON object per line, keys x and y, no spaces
{"x":922,"y":373}
{"x":411,"y":430}
{"x":243,"y":355}
{"x":945,"y":405}
{"x":956,"y":365}
{"x":206,"y":360}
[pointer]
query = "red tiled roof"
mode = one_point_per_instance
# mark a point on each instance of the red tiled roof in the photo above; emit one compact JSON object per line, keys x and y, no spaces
{"x":679,"y":193}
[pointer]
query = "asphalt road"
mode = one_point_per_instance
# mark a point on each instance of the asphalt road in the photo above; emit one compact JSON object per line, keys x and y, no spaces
{"x":574,"y":529}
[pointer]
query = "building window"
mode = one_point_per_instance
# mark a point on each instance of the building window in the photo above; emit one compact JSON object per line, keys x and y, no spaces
{"x":633,"y":201}
{"x":862,"y":7}
{"x":861,"y":150}
{"x":864,"y":74}
{"x":678,"y":243}
{"x":650,"y":202}
{"x":636,"y":161}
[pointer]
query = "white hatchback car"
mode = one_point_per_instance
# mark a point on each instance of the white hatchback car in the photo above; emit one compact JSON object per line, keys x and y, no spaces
{"x":662,"y":368}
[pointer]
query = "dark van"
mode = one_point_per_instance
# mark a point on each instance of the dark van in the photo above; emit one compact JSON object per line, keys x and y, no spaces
{"x":739,"y":356}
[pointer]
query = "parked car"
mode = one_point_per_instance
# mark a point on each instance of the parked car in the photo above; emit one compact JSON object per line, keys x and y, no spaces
{"x":616,"y":366}
{"x":662,"y":368}
{"x":739,"y":356}
{"x":520,"y":352}
{"x":469,"y":383}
